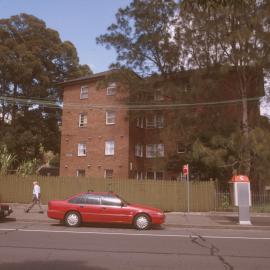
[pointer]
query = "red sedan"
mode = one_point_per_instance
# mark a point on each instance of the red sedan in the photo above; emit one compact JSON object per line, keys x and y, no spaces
{"x":103,"y":207}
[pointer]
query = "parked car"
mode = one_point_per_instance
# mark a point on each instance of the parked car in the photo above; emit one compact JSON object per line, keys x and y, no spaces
{"x":5,"y":210}
{"x":103,"y":207}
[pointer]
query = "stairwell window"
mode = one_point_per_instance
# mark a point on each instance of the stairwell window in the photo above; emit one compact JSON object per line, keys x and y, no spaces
{"x":139,"y":150}
{"x":109,"y":148}
{"x":84,"y":92}
{"x":110,"y":117}
{"x":108,"y":173}
{"x":82,"y":120}
{"x":80,"y":173}
{"x":81,"y":149}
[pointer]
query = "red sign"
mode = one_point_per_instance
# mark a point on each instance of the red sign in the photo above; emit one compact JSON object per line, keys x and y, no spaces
{"x":240,"y":178}
{"x":185,"y":169}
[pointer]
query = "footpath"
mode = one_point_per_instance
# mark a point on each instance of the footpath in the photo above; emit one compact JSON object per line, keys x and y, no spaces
{"x":207,"y":220}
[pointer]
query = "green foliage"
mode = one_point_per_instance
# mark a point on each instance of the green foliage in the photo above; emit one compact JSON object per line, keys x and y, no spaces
{"x":28,"y":167}
{"x":6,"y":160}
{"x":32,"y":59}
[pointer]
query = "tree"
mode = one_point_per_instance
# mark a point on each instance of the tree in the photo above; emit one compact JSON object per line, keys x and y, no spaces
{"x":212,"y":37}
{"x":143,"y":38}
{"x":32,"y":60}
{"x":236,"y":35}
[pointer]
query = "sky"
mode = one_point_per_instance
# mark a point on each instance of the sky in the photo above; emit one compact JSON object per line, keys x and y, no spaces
{"x":78,"y":21}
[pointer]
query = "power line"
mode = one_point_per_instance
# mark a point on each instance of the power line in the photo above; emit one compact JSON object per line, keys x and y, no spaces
{"x":132,"y":107}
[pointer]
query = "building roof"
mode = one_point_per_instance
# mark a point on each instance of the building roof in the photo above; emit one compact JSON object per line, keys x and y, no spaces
{"x":86,"y":78}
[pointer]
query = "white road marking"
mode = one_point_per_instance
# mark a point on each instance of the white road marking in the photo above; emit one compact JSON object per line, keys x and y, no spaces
{"x":141,"y":234}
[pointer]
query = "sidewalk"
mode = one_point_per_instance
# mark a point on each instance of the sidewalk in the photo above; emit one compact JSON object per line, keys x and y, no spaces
{"x":210,"y":220}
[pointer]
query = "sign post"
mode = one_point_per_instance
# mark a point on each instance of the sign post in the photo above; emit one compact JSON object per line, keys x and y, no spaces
{"x":186,"y":173}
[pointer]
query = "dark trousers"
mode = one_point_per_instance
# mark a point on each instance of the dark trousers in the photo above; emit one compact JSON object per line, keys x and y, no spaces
{"x":37,"y":201}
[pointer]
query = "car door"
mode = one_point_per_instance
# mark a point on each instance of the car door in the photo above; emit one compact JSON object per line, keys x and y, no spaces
{"x":92,"y":209}
{"x":88,"y":205}
{"x":113,"y":210}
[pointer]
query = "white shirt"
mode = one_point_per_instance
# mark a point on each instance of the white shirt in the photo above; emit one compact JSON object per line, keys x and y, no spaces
{"x":36,"y":190}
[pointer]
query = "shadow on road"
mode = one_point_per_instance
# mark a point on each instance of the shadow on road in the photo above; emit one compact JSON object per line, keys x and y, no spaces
{"x":7,"y":219}
{"x":106,"y":225}
{"x":45,"y":265}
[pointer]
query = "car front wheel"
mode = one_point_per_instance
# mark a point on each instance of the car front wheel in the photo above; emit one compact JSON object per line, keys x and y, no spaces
{"x":73,"y":219}
{"x":142,"y":222}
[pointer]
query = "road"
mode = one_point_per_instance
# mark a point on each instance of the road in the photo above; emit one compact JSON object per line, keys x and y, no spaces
{"x":51,"y":246}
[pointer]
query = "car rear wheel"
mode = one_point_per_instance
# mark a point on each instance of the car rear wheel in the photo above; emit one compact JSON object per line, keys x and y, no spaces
{"x":142,"y":222}
{"x":73,"y":219}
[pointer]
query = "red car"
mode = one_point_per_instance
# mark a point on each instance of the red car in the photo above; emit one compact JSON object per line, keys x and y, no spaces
{"x":103,"y":207}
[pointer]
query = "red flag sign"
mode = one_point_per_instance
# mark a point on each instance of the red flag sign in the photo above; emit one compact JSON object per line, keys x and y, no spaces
{"x":185,"y":169}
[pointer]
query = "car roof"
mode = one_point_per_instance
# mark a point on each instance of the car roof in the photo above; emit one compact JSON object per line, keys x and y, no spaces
{"x":96,"y":193}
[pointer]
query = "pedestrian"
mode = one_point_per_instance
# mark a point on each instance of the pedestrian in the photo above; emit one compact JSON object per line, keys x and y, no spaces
{"x":36,"y":198}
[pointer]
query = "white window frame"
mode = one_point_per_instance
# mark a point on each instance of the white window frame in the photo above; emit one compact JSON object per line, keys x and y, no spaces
{"x":111,"y":89}
{"x":160,"y":150}
{"x":83,"y":120}
{"x":108,"y":173}
{"x":109,"y":148}
{"x":84,"y":92}
{"x":110,"y":117}
{"x":156,"y":121}
{"x":154,"y":150}
{"x":78,"y":171}
{"x":139,"y":150}
{"x":81,"y":149}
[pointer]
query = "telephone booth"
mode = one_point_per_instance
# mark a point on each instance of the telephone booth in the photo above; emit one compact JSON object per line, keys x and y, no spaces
{"x":240,"y":190}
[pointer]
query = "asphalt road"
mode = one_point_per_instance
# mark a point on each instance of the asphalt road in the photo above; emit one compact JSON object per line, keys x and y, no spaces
{"x":40,"y":246}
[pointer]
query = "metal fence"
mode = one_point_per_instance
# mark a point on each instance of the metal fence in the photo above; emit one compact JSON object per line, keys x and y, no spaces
{"x":167,"y":195}
{"x":260,"y":202}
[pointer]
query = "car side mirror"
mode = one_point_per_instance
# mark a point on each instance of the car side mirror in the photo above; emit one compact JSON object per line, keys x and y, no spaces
{"x":123,"y":204}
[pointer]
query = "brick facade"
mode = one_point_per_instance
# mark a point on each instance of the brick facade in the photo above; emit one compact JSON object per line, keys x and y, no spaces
{"x":132,"y":136}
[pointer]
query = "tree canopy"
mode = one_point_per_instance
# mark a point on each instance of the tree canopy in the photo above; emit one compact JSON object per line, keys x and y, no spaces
{"x":33,"y":59}
{"x":168,"y":37}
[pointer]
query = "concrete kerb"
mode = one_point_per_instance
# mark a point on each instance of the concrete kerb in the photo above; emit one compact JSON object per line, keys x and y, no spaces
{"x":203,"y":220}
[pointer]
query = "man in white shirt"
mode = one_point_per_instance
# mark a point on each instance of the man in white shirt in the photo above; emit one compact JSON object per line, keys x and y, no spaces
{"x":36,"y":198}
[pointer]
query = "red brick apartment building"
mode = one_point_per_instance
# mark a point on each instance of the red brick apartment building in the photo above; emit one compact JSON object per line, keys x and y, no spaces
{"x":100,"y":137}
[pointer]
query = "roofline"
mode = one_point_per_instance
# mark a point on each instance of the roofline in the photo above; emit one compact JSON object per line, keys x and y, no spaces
{"x":91,"y":77}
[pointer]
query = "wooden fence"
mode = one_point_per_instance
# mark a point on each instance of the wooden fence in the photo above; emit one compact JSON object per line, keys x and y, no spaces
{"x":167,"y":195}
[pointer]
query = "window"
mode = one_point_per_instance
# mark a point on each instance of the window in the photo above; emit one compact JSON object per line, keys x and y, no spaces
{"x":83,"y":120}
{"x":160,"y":150}
{"x":110,"y":118}
{"x":139,"y":150}
{"x":158,"y":95}
{"x":154,"y":150}
{"x":155,"y":121}
{"x":159,"y":175}
{"x":150,"y":175}
{"x":81,"y":149}
{"x":111,"y":201}
{"x":139,"y":175}
{"x":181,"y":149}
{"x":109,"y":148}
{"x":154,"y":175}
{"x":139,"y":122}
{"x":84,"y":92}
{"x":78,"y":200}
{"x":111,"y":89}
{"x":92,"y":199}
{"x":108,"y":173}
{"x":80,"y":172}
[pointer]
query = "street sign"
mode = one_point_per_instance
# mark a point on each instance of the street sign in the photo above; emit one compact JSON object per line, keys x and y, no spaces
{"x":185,"y":169}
